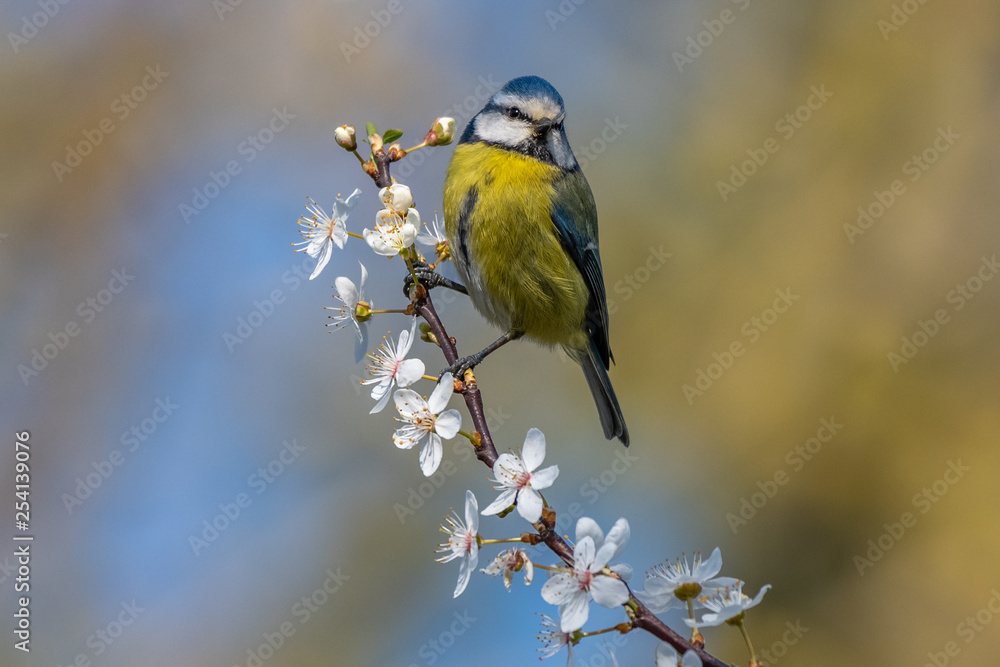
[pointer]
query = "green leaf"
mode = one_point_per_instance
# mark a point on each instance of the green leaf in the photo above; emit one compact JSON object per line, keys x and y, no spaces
{"x":371,"y":129}
{"x":391,"y":136}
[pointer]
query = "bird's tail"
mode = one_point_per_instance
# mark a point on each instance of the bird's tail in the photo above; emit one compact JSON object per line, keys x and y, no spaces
{"x":604,"y":394}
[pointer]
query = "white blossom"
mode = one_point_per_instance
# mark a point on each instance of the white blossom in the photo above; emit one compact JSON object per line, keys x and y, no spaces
{"x":520,"y":480}
{"x":727,"y":605}
{"x":462,"y":541}
{"x":572,"y":590}
{"x":390,"y":367}
{"x":321,"y":231}
{"x":425,"y":422}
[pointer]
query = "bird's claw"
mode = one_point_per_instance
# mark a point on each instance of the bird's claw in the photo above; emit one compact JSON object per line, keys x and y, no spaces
{"x":429,"y":279}
{"x":463,"y":364}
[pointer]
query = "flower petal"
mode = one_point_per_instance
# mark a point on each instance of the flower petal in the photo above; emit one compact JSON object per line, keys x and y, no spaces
{"x":602,"y":557}
{"x":409,"y":371}
{"x":430,"y":455}
{"x":471,"y":511}
{"x":469,"y":564}
{"x":506,"y":469}
{"x":364,"y":278}
{"x":619,"y":534}
{"x":529,"y":504}
{"x":406,"y":340}
{"x":361,"y":342}
{"x":442,"y":393}
{"x":587,"y":527}
{"x":574,"y":613}
{"x":341,"y":209}
{"x":408,"y":402}
{"x":325,"y":251}
{"x":413,"y":218}
{"x":533,"y":451}
{"x":583,"y":553}
{"x":560,"y":587}
{"x":709,"y":568}
{"x":339,"y":234}
{"x":383,"y":400}
{"x":691,"y":659}
{"x":608,"y":591}
{"x":404,"y":438}
{"x":347,"y":291}
{"x":448,"y":423}
{"x":666,"y":656}
{"x":659,"y":596}
{"x":503,"y":501}
{"x":544,"y":478}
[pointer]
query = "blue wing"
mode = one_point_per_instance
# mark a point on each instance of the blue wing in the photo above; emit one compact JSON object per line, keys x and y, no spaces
{"x":574,"y":215}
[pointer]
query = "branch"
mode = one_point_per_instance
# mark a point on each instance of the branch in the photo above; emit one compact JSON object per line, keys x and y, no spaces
{"x":486,"y":452}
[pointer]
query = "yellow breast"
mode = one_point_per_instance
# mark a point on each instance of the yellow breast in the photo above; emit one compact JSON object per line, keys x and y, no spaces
{"x":497,"y":207}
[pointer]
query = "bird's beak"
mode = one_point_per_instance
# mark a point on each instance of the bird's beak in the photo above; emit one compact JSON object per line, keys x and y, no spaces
{"x":543,"y":126}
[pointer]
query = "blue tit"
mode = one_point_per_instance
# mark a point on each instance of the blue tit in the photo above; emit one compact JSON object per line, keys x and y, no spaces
{"x":522,"y":227}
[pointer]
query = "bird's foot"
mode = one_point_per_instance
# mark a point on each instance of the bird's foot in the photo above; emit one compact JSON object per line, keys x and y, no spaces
{"x":429,"y":279}
{"x":463,"y":364}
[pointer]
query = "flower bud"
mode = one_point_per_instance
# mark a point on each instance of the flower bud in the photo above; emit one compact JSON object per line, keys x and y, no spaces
{"x":397,"y":197}
{"x":345,"y":137}
{"x":427,"y":335}
{"x":396,"y":152}
{"x":441,"y":132}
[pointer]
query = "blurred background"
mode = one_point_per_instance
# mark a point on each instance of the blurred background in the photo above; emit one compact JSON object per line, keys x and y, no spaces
{"x":798,"y":207}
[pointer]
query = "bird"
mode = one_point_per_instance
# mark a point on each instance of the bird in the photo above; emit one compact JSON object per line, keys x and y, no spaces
{"x":521,"y":223}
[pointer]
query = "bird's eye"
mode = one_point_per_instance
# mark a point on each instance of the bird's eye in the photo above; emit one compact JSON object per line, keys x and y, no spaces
{"x":513,"y":112}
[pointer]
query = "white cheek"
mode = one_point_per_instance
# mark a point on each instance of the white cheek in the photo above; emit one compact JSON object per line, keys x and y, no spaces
{"x":500,"y":130}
